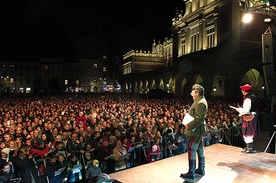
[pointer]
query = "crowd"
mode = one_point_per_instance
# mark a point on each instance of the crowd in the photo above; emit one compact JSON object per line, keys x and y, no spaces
{"x":74,"y":138}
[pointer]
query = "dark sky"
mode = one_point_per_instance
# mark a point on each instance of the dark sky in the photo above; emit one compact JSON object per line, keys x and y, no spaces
{"x":82,"y":28}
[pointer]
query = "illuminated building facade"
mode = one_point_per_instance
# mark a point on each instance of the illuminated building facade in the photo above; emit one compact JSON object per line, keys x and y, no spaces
{"x":210,"y":46}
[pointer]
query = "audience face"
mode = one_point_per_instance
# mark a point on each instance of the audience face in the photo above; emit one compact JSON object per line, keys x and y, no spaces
{"x":4,"y":155}
{"x":61,"y":158}
{"x":74,"y":138}
{"x":7,"y":137}
{"x":28,"y":143}
{"x":118,"y":144}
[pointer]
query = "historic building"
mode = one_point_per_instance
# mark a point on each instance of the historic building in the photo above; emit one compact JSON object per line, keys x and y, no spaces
{"x":59,"y":75}
{"x":210,"y":45}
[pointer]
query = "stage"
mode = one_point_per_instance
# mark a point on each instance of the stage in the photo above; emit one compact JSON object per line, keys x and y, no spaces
{"x":224,"y":163}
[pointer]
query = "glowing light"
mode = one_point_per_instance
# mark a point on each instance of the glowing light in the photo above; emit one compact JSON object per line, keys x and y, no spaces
{"x":247,"y":18}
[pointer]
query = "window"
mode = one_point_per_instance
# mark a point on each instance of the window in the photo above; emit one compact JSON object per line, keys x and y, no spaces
{"x":104,"y":69}
{"x":66,"y":82}
{"x":183,"y":42}
{"x":210,"y":37}
{"x":11,"y":80}
{"x":77,"y":82}
{"x":195,"y":42}
{"x":28,"y":90}
{"x":95,"y":66}
{"x":21,"y":90}
{"x":194,"y":39}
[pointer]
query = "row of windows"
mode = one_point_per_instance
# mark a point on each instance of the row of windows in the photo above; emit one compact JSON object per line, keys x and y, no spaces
{"x":9,"y":80}
{"x":8,"y":65}
{"x":77,"y":82}
{"x":195,"y":40}
{"x":127,"y":69}
{"x":66,"y":82}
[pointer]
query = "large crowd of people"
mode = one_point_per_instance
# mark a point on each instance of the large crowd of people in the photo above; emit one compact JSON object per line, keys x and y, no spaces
{"x":76,"y":137}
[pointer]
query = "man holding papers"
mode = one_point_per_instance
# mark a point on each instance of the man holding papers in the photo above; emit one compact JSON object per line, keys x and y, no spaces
{"x":194,"y":130}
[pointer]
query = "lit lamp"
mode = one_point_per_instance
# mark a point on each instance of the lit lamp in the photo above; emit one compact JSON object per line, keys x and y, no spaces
{"x":247,"y":17}
{"x":214,"y":89}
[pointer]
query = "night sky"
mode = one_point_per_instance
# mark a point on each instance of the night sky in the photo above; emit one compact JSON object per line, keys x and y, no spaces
{"x":32,"y":29}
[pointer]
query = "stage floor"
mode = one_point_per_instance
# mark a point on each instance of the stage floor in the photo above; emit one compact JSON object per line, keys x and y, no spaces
{"x":224,"y":163}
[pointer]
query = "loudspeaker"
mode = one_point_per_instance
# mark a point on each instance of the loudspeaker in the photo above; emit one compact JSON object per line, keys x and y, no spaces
{"x":268,"y":63}
{"x":272,"y":2}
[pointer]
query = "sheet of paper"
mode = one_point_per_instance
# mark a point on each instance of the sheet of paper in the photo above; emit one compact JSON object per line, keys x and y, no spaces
{"x":187,"y":119}
{"x":77,"y":168}
{"x":233,"y":107}
{"x":60,"y":171}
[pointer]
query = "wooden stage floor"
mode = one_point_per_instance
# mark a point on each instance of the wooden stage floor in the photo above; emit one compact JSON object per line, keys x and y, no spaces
{"x":224,"y":163}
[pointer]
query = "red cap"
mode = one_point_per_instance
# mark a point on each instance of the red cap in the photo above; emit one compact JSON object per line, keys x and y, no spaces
{"x":246,"y":87}
{"x":105,"y":139}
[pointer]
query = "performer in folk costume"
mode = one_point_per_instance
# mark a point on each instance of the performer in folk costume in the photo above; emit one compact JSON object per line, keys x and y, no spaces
{"x":250,"y":121}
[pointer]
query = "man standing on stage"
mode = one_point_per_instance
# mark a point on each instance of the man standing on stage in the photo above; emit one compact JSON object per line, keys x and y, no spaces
{"x":250,"y":121}
{"x":194,"y":131}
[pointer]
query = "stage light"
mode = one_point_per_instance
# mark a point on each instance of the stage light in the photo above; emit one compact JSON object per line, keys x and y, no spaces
{"x":247,"y":18}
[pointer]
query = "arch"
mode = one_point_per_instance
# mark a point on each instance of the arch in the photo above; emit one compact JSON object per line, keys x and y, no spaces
{"x":135,"y":87}
{"x":146,"y":86}
{"x":254,"y":78}
{"x":218,"y":86}
{"x":130,"y":88}
{"x":161,"y":84}
{"x":126,"y":87}
{"x":183,"y":86}
{"x":198,"y":79}
{"x":141,"y":89}
{"x":153,"y":84}
{"x":169,"y":86}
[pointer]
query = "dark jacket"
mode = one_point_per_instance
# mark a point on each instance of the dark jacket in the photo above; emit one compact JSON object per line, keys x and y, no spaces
{"x":198,"y":110}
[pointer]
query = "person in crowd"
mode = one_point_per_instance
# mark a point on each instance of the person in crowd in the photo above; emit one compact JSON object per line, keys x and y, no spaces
{"x":87,"y":160}
{"x":249,"y":113}
{"x":74,"y":147}
{"x":52,"y":169}
{"x":104,"y":153}
{"x":93,"y":171}
{"x":167,"y":142}
{"x":112,"y":141}
{"x":194,"y":130}
{"x":13,"y":148}
{"x":74,"y":169}
{"x":81,"y":120}
{"x":23,"y":164}
{"x":39,"y":150}
{"x":120,"y":153}
{"x":6,"y":166}
{"x":7,"y":138}
{"x":180,"y":141}
{"x":62,"y":164}
{"x":154,"y":154}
